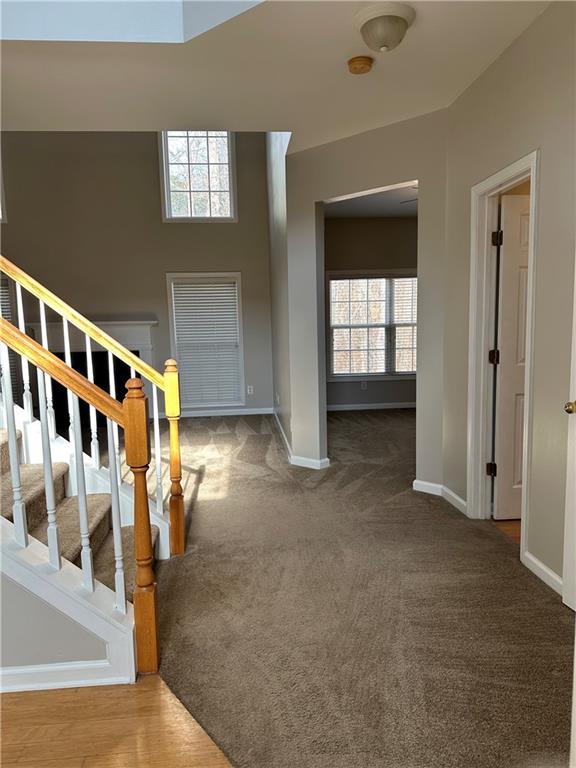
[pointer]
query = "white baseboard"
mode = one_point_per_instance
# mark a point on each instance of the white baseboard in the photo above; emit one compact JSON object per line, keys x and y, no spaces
{"x":304,"y":461}
{"x":542,"y":571}
{"x":192,"y":413}
{"x":73,"y":674}
{"x":299,"y":461}
{"x":423,"y":486}
{"x":370,"y":406}
{"x":435,"y":489}
{"x":455,"y":500}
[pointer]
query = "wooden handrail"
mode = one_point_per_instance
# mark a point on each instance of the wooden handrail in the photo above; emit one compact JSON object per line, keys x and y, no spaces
{"x":58,"y":370}
{"x":95,"y":333}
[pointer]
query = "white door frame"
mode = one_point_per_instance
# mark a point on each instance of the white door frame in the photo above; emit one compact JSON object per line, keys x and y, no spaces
{"x":569,"y":574}
{"x":482,"y":266}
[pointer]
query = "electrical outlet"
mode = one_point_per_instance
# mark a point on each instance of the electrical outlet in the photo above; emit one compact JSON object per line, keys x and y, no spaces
{"x":250,"y":389}
{"x":363,"y":385}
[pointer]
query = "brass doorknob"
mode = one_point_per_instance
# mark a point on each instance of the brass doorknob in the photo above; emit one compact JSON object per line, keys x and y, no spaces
{"x":570,"y":407}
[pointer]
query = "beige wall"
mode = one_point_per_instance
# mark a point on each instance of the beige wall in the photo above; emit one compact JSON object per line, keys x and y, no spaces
{"x":523,"y":102}
{"x":84,"y":218}
{"x":371,"y":244}
{"x":276,"y":145}
{"x":533,"y":85}
{"x":411,"y":150}
{"x":34,"y":632}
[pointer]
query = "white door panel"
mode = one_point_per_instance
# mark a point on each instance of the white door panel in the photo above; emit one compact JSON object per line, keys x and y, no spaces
{"x":512,"y":346}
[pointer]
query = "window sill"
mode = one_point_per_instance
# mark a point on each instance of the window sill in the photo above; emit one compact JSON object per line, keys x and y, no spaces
{"x":374,"y":377}
{"x":199,"y":220}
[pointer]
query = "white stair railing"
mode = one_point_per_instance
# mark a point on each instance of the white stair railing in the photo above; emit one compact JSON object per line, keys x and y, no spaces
{"x":132,"y":417}
{"x":53,"y":538}
{"x":95,"y":339}
{"x":18,"y":507}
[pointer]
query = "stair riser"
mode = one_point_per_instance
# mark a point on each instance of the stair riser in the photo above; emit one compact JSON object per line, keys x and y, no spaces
{"x":36,"y":506}
{"x":5,"y":453}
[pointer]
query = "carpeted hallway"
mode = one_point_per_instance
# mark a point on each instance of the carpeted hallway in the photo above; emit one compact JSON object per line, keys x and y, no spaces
{"x":337,"y":619}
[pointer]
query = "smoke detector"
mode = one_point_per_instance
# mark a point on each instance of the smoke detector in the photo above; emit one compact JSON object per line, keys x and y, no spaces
{"x":384,"y":25}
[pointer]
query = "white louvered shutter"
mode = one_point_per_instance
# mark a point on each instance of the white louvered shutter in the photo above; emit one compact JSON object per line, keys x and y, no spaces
{"x":206,"y":332}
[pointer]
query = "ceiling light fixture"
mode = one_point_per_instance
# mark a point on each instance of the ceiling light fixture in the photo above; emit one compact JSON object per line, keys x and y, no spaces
{"x":360,"y":65}
{"x":384,"y":25}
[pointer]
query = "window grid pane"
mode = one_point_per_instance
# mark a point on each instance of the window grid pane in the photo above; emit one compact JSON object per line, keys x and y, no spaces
{"x":198,"y":174}
{"x":373,"y":325}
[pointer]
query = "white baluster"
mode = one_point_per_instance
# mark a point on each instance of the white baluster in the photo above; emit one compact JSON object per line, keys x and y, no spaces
{"x":112,"y":387}
{"x":116,"y":524}
{"x":48,"y":380}
{"x":27,"y":395}
{"x":157,"y":453}
{"x":132,"y":373}
{"x":94,"y":445}
{"x":53,"y":542}
{"x":68,"y":361}
{"x":86,"y":554}
{"x":18,"y":506}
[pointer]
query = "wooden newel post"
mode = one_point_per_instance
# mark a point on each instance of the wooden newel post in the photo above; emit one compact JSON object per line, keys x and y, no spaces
{"x":137,"y":445}
{"x":172,"y":403}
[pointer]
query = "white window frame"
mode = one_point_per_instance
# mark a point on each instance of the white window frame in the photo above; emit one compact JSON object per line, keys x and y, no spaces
{"x":173,"y":277}
{"x":167,"y":218}
{"x":355,"y":274}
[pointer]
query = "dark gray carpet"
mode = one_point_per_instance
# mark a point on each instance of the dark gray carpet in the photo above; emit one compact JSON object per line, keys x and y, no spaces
{"x":337,"y":619}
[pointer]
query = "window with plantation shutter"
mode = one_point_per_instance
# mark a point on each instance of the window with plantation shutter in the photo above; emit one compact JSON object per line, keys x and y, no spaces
{"x":373,"y":325}
{"x":207,"y":339}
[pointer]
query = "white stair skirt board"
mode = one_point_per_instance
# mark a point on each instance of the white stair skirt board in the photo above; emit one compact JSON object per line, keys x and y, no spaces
{"x":94,"y":611}
{"x":542,"y":571}
{"x":370,"y":406}
{"x":435,"y":489}
{"x":300,"y":461}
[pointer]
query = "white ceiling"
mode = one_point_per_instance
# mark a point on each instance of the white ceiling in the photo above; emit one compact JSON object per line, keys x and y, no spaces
{"x":401,"y":202}
{"x":278,"y":66}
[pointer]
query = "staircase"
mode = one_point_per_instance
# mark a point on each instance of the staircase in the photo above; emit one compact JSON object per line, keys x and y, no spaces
{"x":66,"y":510}
{"x":78,"y":532}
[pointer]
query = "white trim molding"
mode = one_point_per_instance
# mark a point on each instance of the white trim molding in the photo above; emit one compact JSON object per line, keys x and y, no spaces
{"x":299,"y":461}
{"x":191,"y":413}
{"x":95,"y":611}
{"x":482,"y":264}
{"x":369,"y":406}
{"x":542,"y":571}
{"x":435,"y":489}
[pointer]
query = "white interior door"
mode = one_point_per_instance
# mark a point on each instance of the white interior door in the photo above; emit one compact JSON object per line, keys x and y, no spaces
{"x":512,"y":345}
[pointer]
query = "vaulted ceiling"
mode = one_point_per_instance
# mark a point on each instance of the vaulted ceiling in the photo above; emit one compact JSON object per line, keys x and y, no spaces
{"x":278,"y":66}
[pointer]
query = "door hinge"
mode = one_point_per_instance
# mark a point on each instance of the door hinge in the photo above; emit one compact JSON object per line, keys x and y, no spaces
{"x":494,"y":357}
{"x":497,"y":237}
{"x":491,"y":469}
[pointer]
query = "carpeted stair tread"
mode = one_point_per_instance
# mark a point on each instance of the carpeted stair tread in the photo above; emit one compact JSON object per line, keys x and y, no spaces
{"x":33,"y":493}
{"x":104,"y":564}
{"x":67,"y":517}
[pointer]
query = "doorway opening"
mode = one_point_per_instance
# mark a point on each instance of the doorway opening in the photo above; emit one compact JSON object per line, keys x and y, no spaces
{"x":371,"y":278}
{"x":500,"y":352}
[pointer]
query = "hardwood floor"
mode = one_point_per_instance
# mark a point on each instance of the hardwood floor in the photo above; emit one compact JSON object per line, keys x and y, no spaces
{"x":510,"y":527}
{"x":115,"y":726}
